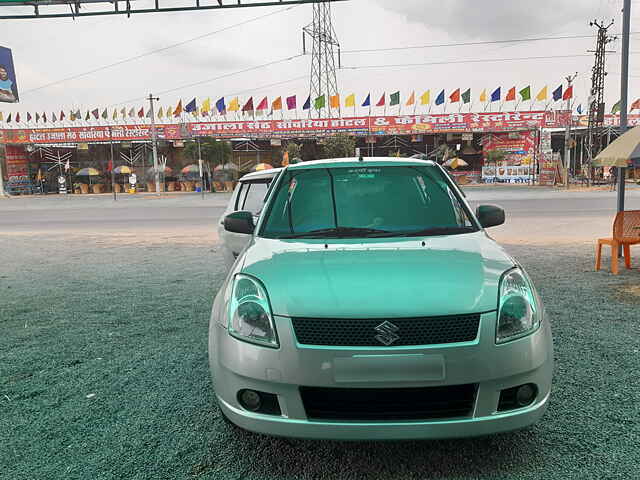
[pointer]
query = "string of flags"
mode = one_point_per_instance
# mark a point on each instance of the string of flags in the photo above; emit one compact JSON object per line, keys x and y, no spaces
{"x":224,"y":106}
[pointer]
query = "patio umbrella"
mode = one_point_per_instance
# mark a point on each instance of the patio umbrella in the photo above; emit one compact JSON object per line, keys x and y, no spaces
{"x":193,"y":168}
{"x":455,"y":162}
{"x":622,"y":152}
{"x":88,"y":172}
{"x":122,"y":170}
{"x":168,"y":171}
{"x":262,"y":166}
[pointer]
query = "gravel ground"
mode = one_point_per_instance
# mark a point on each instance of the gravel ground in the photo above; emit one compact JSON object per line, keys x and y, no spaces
{"x":104,"y":375}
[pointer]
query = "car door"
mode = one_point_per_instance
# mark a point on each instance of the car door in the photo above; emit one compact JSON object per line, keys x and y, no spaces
{"x":249,"y":195}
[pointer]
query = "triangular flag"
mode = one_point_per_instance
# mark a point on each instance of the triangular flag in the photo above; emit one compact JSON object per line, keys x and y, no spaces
{"x":115,"y":114}
{"x":72,"y":116}
{"x":466,"y":96}
{"x":191,"y":106}
{"x":394,"y":99}
{"x":37,"y":117}
{"x":131,"y":112}
{"x":525,"y":93}
{"x":334,"y":101}
{"x":635,"y":105}
{"x":95,"y":112}
{"x":412,"y":99}
{"x":425,"y":99}
{"x":320,"y":102}
{"x":141,"y":112}
{"x":234,"y":105}
{"x":61,"y":115}
{"x":277,"y":104}
{"x":28,"y":117}
{"x":9,"y":118}
{"x":123,"y":112}
{"x":511,"y":95}
{"x":307,"y":103}
{"x":54,"y":119}
{"x":496,"y":94}
{"x":248,"y":107}
{"x":542,"y":94}
{"x":455,"y":96}
{"x":1,"y":116}
{"x":178,"y":110}
{"x":18,"y":117}
{"x":105,"y":115}
{"x":383,"y":100}
{"x":206,"y":105}
{"x":367,"y":101}
{"x":579,"y":109}
{"x":86,"y":117}
{"x":557,"y":94}
{"x":292,"y":102}
{"x":568,"y":93}
{"x":169,"y":111}
{"x":221,"y":106}
{"x":440,"y":98}
{"x":160,"y":113}
{"x":616,"y":108}
{"x":483,"y":95}
{"x":148,"y":115}
{"x":350,"y":100}
{"x":44,"y":117}
{"x":263,"y":105}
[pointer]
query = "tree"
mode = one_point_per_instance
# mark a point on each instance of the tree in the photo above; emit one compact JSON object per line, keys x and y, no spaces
{"x":338,"y":146}
{"x":294,"y":150}
{"x":216,"y":151}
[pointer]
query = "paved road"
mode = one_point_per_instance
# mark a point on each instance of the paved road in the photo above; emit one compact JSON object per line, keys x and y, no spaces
{"x":534,"y":215}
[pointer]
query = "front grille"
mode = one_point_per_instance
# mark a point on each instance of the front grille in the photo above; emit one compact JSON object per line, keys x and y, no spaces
{"x":348,"y":332}
{"x":388,"y":403}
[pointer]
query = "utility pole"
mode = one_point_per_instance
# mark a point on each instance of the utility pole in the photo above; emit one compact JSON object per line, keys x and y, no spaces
{"x":596,"y":97}
{"x":624,"y":92}
{"x":200,"y":167}
{"x":567,"y":133}
{"x":154,"y":142}
{"x":113,"y":167}
{"x":2,"y":192}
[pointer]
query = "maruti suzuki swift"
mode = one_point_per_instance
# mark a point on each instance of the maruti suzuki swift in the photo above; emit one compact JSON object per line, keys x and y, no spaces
{"x":370,"y":303}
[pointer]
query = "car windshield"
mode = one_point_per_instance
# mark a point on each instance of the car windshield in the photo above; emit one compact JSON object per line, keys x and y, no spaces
{"x":367,"y":201}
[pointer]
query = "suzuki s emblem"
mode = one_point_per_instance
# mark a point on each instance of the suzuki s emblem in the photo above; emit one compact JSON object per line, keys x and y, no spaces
{"x":386,"y":333}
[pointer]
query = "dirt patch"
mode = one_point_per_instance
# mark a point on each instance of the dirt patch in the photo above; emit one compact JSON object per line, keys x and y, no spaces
{"x":628,"y":293}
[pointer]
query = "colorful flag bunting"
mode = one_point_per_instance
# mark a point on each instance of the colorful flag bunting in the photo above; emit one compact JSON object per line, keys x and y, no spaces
{"x":394,"y":99}
{"x":425,"y":99}
{"x":367,"y":101}
{"x":263,"y":105}
{"x":178,"y":110}
{"x":542,"y":94}
{"x":412,"y":99}
{"x":455,"y":96}
{"x":440,"y":98}
{"x":292,"y":102}
{"x":496,"y":95}
{"x":383,"y":100}
{"x":483,"y":96}
{"x":466,"y":96}
{"x":568,"y":93}
{"x":557,"y":94}
{"x":191,"y":106}
{"x":525,"y":93}
{"x":334,"y":101}
{"x":350,"y":100}
{"x":277,"y":104}
{"x":248,"y":107}
{"x":307,"y":103}
{"x":511,"y":95}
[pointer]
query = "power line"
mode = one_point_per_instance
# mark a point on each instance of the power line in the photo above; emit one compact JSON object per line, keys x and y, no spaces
{"x":213,"y":79}
{"x":468,"y":44}
{"x":453,"y":62}
{"x":158,"y":50}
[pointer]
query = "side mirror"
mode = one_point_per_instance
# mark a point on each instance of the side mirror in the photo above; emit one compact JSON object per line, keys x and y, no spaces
{"x":239,"y":222}
{"x":490,"y":215}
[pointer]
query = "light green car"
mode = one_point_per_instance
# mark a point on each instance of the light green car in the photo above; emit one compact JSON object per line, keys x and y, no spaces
{"x":369,"y":303}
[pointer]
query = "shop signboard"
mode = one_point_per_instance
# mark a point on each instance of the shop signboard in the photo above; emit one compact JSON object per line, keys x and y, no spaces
{"x":516,"y":165}
{"x":363,"y":126}
{"x":17,"y":161}
{"x":8,"y":84}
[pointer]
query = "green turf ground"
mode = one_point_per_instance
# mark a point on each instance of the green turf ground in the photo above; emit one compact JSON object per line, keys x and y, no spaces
{"x":127,"y":327}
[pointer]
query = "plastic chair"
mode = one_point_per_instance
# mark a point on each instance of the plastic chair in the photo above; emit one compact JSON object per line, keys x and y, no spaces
{"x":626,"y":232}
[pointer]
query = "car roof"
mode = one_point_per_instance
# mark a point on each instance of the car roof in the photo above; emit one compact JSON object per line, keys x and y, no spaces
{"x":263,"y":174}
{"x":361,"y":162}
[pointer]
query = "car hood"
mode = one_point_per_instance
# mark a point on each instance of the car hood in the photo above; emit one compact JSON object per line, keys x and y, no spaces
{"x":407,"y":277}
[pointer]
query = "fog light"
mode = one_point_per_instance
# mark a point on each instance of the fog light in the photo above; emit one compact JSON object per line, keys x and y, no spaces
{"x":526,"y":394}
{"x":250,"y":399}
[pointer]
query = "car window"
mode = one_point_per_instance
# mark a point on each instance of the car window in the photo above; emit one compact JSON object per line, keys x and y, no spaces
{"x":242,"y":194}
{"x":254,"y":197}
{"x":393,"y":199}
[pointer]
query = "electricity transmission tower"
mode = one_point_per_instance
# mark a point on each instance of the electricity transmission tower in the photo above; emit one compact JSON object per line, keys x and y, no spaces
{"x":596,"y":97}
{"x":323,"y":59}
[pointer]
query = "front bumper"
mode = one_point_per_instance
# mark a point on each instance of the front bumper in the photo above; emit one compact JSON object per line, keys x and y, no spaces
{"x":238,"y":365}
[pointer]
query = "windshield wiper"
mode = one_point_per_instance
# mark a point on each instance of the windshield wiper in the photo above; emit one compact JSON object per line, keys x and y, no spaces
{"x":339,"y":233}
{"x":428,"y":232}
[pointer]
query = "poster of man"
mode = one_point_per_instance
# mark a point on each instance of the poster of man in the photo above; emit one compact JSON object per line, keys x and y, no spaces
{"x":8,"y":85}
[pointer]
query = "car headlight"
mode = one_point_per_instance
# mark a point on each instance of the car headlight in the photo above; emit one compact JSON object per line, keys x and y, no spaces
{"x":250,"y":317}
{"x":518,"y":313}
